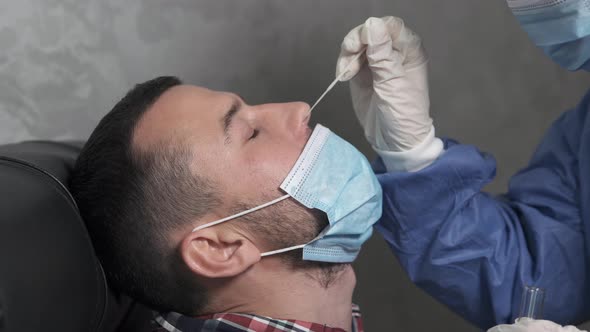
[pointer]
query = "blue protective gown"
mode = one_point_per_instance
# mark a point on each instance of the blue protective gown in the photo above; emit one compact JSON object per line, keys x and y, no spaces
{"x":474,"y":251}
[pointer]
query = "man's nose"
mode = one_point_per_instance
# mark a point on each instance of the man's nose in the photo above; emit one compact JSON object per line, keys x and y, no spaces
{"x":300,"y":110}
{"x":289,"y":118}
{"x":296,"y":111}
{"x":300,"y":116}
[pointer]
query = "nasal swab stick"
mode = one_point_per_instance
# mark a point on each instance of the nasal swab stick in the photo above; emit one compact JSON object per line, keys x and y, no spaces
{"x":336,"y":80}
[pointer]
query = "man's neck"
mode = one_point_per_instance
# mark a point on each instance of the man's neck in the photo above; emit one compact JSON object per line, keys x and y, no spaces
{"x":299,"y":295}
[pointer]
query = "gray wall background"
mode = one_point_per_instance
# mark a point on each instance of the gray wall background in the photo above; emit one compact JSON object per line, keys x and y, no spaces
{"x":64,"y":63}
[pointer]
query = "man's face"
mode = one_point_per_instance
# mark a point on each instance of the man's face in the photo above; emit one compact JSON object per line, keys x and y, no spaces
{"x":246,"y":151}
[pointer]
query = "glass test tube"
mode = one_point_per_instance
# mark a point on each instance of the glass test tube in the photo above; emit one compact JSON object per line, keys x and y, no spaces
{"x":532,"y":302}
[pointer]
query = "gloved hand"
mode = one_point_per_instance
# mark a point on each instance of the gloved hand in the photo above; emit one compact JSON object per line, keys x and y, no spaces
{"x":532,"y":325}
{"x":389,"y":89}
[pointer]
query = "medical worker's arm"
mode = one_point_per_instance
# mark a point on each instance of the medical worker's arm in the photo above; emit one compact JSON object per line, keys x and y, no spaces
{"x":474,"y":251}
{"x":470,"y":250}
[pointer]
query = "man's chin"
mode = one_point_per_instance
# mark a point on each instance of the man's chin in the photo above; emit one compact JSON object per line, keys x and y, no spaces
{"x":327,"y":274}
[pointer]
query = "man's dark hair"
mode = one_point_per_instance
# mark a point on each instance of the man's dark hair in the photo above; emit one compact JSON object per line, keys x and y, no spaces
{"x":130,"y":200}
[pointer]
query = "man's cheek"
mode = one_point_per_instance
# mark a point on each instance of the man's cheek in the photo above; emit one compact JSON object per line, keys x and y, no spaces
{"x":270,"y":172}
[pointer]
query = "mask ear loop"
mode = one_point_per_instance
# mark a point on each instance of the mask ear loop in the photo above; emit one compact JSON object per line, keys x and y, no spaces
{"x":237,"y":215}
{"x":337,"y":78}
{"x":278,"y":251}
{"x":217,"y":222}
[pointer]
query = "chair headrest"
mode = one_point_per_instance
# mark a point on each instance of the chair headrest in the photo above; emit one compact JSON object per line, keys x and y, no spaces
{"x":50,"y":278}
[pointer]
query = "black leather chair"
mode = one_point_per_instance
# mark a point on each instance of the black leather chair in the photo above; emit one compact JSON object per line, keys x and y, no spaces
{"x":50,"y":279}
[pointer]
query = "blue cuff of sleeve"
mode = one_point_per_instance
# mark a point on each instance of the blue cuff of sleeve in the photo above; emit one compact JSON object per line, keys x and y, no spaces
{"x":413,"y":160}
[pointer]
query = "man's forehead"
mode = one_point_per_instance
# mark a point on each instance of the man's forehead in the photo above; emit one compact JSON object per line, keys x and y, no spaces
{"x":180,"y":111}
{"x":186,"y":100}
{"x":184,"y":93}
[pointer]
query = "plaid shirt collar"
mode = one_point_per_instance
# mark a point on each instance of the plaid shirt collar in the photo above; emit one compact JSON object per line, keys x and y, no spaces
{"x":234,"y":322}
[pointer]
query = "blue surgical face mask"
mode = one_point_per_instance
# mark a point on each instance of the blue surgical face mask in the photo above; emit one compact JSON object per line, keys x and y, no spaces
{"x":330,"y":175}
{"x":560,"y":27}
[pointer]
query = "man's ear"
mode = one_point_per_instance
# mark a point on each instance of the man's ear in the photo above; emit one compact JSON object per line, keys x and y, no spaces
{"x":218,"y":253}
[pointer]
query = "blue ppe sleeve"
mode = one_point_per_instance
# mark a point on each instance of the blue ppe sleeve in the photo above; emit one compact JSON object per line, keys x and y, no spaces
{"x":474,"y":251}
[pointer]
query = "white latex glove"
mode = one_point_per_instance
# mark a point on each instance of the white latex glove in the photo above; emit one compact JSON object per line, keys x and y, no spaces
{"x":532,"y":325}
{"x":389,"y":90}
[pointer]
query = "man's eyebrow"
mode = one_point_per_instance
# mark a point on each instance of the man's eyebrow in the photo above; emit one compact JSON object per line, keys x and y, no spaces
{"x":229,"y":117}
